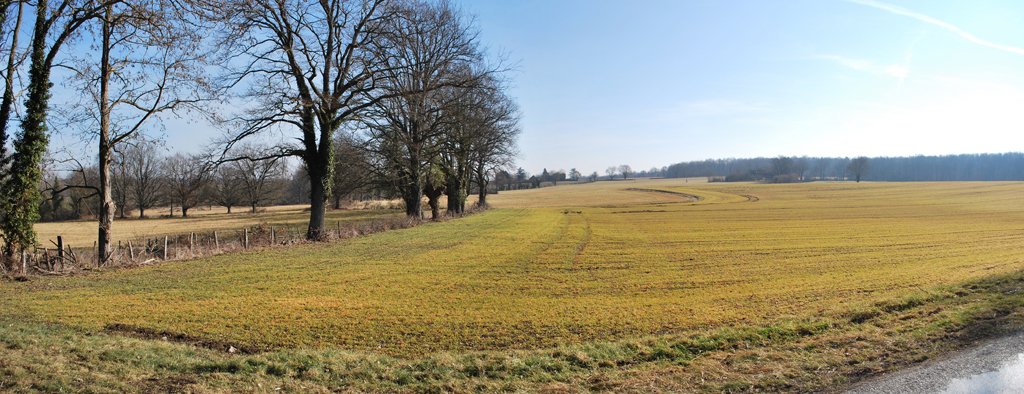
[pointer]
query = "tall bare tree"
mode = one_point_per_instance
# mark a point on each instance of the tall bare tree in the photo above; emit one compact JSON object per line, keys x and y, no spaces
{"x":120,"y":184}
{"x":611,"y":171}
{"x":53,"y":28}
{"x":309,"y":67}
{"x":429,"y":47}
{"x":226,"y":187}
{"x":625,"y":170}
{"x":149,"y":63}
{"x":187,"y":176}
{"x":494,"y":143}
{"x":142,"y":168}
{"x":820,"y":167}
{"x":858,"y":168}
{"x":352,"y":168}
{"x":255,"y":176}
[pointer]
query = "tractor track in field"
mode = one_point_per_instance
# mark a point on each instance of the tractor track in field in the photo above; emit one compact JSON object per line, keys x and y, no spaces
{"x":692,"y":197}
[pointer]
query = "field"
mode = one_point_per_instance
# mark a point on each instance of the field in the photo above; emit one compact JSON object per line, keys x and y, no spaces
{"x":573,"y":266}
{"x":289,"y":218}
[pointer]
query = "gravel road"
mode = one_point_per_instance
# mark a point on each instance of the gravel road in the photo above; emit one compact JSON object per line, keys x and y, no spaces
{"x":996,"y":367}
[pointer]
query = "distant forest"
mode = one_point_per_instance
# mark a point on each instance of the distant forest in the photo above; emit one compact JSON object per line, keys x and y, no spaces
{"x":966,"y":167}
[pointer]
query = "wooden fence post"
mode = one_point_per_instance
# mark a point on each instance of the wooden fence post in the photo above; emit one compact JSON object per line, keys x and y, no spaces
{"x":191,"y":238}
{"x":24,"y":262}
{"x":273,"y":236}
{"x":165,"y":247}
{"x":131,"y":253}
{"x":339,"y":229}
{"x":246,"y":230}
{"x":216,"y":242}
{"x":60,"y":250}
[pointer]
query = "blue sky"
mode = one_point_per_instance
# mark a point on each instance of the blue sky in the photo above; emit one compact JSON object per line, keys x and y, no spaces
{"x":651,"y":83}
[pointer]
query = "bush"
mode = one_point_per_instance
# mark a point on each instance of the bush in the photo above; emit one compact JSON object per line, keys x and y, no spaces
{"x":739,"y":177}
{"x":787,"y":178}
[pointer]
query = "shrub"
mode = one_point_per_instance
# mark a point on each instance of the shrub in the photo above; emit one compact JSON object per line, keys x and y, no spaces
{"x":786,"y":178}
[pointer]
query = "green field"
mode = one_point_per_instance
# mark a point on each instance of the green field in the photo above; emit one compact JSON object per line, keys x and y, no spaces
{"x":569,"y":266}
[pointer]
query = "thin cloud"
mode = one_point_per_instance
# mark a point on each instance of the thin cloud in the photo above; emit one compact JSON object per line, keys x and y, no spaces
{"x":895,"y":71}
{"x":925,"y":18}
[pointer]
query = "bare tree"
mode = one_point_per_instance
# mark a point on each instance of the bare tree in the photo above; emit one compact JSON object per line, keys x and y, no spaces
{"x":227,"y":187}
{"x":120,"y":184}
{"x":625,"y":170}
{"x":142,"y":169}
{"x":433,"y":188}
{"x":782,"y":165}
{"x":298,"y":187}
{"x":310,"y":68}
{"x":430,"y":50}
{"x":820,"y":167}
{"x":352,"y":168}
{"x":858,"y":167}
{"x":148,"y":64}
{"x":187,"y":176}
{"x":611,"y":171}
{"x":575,"y":175}
{"x":800,"y":166}
{"x":494,"y":143}
{"x":256,"y":175}
{"x":53,"y":28}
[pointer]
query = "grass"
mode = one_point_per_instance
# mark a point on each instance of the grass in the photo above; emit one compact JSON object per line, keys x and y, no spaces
{"x":810,"y":353}
{"x":629,"y":288}
{"x":82,"y":233}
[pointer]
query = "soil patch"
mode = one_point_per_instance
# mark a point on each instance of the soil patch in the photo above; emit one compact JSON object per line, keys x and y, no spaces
{"x":147,"y":333}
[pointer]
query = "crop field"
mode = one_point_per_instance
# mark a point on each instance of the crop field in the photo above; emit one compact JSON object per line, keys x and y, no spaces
{"x":567,"y":265}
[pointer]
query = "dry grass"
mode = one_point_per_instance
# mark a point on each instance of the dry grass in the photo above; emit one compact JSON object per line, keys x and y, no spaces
{"x":641,"y":270}
{"x":809,"y":354}
{"x":295,"y":218}
{"x":540,"y":277}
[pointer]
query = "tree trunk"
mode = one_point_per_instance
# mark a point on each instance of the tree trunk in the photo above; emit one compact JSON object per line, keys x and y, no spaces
{"x":107,"y":207}
{"x":413,"y":193}
{"x":433,"y":194}
{"x":229,"y":209}
{"x":184,"y":211}
{"x":481,"y":182}
{"x":456,"y":197}
{"x":317,"y":209}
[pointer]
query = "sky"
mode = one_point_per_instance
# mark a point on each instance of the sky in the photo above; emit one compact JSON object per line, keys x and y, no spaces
{"x":651,"y":83}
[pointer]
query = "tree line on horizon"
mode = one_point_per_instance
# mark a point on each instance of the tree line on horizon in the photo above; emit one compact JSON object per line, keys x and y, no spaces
{"x":399,"y":96}
{"x":919,"y":168}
